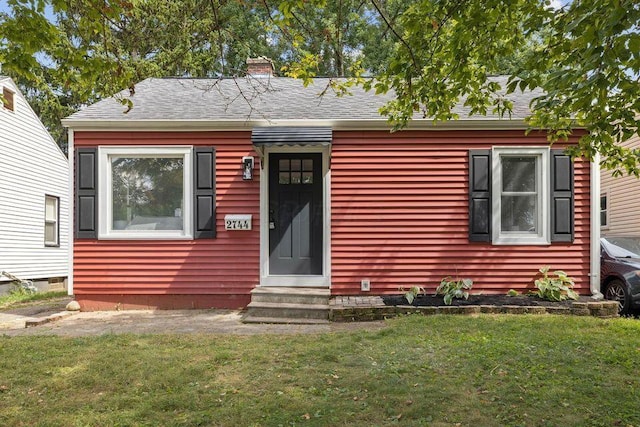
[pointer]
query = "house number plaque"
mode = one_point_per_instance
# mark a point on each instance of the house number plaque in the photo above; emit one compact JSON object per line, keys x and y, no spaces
{"x":237,"y":222}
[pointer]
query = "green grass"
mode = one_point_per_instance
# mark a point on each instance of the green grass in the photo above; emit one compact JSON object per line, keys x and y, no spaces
{"x":438,"y":370}
{"x":8,"y":300}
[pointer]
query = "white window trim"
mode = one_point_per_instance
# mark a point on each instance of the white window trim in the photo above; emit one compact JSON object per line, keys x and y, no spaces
{"x":542,"y":181}
{"x":56,"y":221}
{"x":105,"y":211}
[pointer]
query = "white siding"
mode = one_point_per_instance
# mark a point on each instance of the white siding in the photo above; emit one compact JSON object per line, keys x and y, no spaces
{"x":31,"y":166}
{"x":623,"y":195}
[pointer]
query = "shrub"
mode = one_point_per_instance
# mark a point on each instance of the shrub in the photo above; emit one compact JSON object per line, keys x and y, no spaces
{"x":412,"y":293}
{"x":454,"y":288}
{"x":558,"y":288}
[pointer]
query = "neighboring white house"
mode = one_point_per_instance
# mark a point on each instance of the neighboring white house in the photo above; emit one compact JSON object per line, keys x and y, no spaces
{"x":34,"y":180}
{"x":620,"y":201}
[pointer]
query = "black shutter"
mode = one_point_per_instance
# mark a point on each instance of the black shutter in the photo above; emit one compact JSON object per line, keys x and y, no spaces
{"x":86,"y":211}
{"x":562,"y":197}
{"x":480,"y":195}
{"x":204,"y":192}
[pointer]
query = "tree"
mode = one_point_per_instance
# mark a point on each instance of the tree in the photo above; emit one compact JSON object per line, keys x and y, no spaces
{"x":585,"y":57}
{"x":433,"y":54}
{"x":65,"y":54}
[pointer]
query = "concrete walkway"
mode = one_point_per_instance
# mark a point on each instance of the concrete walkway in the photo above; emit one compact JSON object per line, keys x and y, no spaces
{"x":52,"y":319}
{"x":347,"y":313}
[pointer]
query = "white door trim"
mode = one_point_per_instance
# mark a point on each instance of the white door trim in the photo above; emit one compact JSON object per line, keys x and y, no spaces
{"x":266,"y":279}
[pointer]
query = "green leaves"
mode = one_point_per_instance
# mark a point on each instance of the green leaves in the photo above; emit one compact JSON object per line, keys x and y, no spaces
{"x":454,"y":288}
{"x":558,"y":288}
{"x":412,"y":293}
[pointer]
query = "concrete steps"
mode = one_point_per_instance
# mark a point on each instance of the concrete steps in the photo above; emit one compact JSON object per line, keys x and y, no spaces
{"x":288,"y":305}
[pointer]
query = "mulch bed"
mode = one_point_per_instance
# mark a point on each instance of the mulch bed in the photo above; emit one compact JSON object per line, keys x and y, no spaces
{"x":496,"y":300}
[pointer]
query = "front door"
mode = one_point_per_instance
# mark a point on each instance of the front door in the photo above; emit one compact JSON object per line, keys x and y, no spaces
{"x":295,"y":214}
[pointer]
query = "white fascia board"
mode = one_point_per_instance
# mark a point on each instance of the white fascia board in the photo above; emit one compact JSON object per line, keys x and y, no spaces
{"x":246,"y":125}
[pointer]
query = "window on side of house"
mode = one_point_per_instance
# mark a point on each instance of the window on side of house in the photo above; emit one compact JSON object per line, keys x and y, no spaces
{"x":604,"y":210}
{"x":51,"y":221}
{"x":8,"y":101}
{"x":520,"y":212}
{"x":145,"y":192}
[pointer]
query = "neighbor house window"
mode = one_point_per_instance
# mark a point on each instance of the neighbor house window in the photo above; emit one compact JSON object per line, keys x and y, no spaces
{"x":8,"y":99}
{"x":51,"y":221}
{"x":604,"y":210}
{"x":520,"y":187}
{"x":145,"y":192}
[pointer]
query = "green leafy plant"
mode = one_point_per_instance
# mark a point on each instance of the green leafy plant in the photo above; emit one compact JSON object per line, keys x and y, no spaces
{"x":452,"y":288}
{"x":411,"y":294}
{"x":556,"y":287}
{"x":513,"y":293}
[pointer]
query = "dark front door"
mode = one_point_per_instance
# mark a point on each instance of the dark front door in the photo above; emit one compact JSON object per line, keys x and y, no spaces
{"x":295,"y":213}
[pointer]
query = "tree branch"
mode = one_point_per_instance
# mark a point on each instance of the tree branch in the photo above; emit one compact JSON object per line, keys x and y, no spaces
{"x":395,"y":33}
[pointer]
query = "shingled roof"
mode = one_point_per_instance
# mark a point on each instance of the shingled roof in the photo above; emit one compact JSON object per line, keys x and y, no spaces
{"x":250,"y":101}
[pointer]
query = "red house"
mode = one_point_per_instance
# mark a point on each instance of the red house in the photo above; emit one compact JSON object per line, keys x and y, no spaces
{"x":210,"y":188}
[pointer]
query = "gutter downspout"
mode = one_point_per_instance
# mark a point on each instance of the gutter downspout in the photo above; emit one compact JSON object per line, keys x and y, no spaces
{"x":71,"y":227}
{"x":594,"y":276}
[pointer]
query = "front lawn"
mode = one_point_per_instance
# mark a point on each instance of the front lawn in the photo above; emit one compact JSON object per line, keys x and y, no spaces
{"x":437,"y":370}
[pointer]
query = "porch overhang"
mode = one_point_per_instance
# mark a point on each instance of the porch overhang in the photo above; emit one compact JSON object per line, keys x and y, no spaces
{"x":269,"y":136}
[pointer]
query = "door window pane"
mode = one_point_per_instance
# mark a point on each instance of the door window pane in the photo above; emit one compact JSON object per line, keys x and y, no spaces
{"x":147,"y":193}
{"x":307,"y":164}
{"x":284,"y":178}
{"x":307,"y":177}
{"x":283,"y":164}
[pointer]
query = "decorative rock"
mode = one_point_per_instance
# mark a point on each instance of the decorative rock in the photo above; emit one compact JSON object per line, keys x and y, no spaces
{"x":73,"y":306}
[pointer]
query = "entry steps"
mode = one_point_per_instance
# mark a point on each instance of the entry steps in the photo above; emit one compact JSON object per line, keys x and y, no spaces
{"x":288,"y":305}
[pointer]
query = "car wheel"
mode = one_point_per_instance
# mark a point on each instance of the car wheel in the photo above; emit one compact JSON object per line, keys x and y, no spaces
{"x":617,"y":291}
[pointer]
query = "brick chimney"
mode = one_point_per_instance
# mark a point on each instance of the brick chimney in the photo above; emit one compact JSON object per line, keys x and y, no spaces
{"x":260,"y":67}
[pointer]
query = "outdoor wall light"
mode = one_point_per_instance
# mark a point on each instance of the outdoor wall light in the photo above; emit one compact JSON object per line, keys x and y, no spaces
{"x":247,"y":168}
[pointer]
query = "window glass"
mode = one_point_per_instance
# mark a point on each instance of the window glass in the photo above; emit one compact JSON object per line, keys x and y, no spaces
{"x":147,"y":193}
{"x":519,"y":213}
{"x":603,"y":211}
{"x":519,"y":201}
{"x":51,"y":221}
{"x":519,"y":174}
{"x":520,"y":209}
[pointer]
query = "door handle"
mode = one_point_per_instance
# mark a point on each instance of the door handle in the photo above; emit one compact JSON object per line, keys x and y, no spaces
{"x":272,"y":222}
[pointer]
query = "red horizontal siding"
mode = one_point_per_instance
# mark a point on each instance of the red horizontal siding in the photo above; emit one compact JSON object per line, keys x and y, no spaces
{"x":400,"y":215}
{"x":225,"y":266}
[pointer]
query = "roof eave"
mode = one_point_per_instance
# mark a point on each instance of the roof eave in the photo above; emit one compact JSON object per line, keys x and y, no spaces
{"x":246,"y":125}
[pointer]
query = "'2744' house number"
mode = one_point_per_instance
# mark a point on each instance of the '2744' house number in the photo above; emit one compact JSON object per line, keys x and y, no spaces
{"x":237,"y":222}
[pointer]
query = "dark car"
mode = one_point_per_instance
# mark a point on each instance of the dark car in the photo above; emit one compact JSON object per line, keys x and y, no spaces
{"x":620,"y":271}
